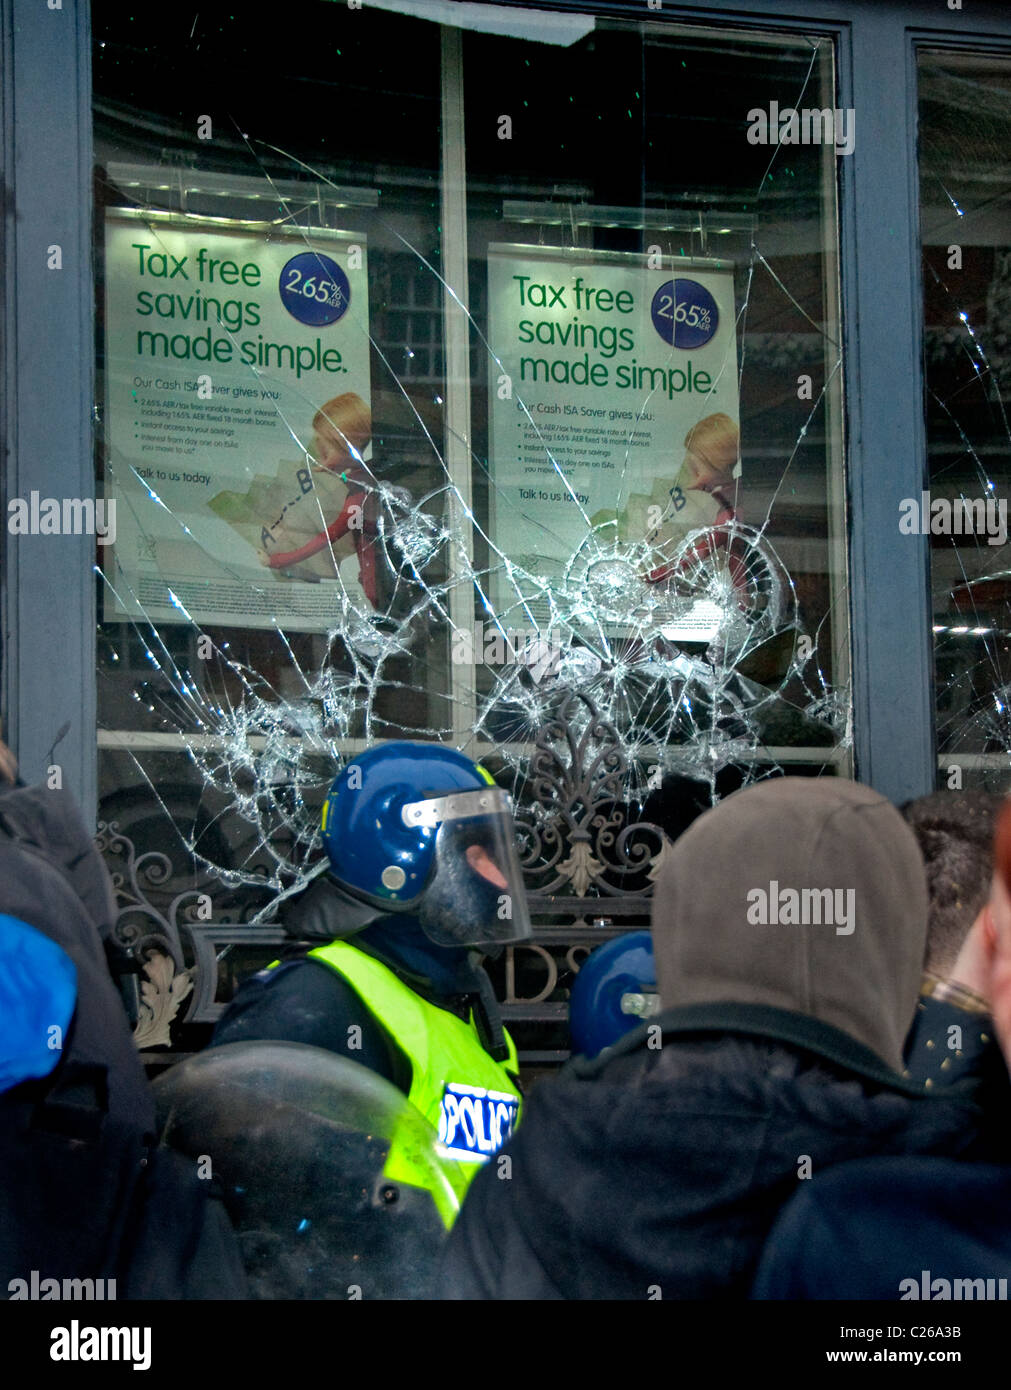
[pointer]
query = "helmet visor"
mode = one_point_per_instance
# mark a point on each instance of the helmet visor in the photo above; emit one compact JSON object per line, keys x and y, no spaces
{"x":475,"y":896}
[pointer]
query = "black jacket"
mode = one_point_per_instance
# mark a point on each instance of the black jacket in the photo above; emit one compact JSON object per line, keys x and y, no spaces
{"x":894,"y":1228}
{"x":657,"y":1171}
{"x":86,"y":1193}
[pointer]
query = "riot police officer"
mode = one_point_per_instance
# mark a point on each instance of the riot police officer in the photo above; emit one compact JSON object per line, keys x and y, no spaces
{"x":423,"y":878}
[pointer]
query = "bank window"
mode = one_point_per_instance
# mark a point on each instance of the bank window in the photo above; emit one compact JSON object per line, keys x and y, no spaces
{"x":479,"y":384}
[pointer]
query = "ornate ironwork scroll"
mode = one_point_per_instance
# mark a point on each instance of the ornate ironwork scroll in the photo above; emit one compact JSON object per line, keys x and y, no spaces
{"x":576,"y":833}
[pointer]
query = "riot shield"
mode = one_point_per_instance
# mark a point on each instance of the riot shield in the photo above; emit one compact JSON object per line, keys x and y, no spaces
{"x":303,"y":1144}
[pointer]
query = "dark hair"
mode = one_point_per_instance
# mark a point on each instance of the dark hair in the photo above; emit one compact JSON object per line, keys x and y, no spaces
{"x":955,"y":831}
{"x":1002,"y":845}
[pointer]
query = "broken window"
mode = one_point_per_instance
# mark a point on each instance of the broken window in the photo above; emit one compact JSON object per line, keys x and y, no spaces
{"x":965,"y":201}
{"x":480,"y":384}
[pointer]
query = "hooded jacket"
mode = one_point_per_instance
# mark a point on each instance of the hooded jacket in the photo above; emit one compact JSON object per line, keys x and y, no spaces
{"x":807,"y":895}
{"x":657,"y":1169}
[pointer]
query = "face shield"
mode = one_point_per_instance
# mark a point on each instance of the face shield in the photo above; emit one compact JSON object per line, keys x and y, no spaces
{"x":475,"y":895}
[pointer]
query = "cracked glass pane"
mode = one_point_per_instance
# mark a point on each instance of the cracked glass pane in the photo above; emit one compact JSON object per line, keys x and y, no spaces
{"x":478,"y":384}
{"x":965,"y":196}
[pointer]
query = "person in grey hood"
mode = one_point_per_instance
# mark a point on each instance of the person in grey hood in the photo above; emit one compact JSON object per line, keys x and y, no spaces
{"x":789,"y":927}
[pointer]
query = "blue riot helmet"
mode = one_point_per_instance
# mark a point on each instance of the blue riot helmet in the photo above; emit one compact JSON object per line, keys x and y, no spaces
{"x":418,"y":829}
{"x":613,"y":993}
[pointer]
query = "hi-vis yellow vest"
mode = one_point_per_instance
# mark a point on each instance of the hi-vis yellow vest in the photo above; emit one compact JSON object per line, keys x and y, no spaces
{"x":468,"y":1097}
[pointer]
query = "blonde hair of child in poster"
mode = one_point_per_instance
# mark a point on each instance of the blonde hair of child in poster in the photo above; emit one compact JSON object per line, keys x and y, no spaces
{"x":304,"y":544}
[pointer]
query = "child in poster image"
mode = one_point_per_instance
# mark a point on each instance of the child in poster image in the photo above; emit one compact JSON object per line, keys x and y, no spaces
{"x":701,"y":496}
{"x":712,"y":448}
{"x":705,"y":489}
{"x":342,"y":430}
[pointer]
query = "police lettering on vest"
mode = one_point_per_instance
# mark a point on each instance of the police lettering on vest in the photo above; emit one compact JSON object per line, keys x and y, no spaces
{"x":474,"y":1123}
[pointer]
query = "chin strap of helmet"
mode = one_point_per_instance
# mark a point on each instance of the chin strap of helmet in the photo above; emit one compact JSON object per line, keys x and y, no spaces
{"x":488,"y":1019}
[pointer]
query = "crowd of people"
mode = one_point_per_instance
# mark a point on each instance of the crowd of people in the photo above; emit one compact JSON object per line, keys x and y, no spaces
{"x":791,"y":1058}
{"x":819,"y":1108}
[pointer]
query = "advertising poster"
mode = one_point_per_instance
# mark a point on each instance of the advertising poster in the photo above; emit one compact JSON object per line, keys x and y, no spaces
{"x":626,"y":375}
{"x":237,"y":393}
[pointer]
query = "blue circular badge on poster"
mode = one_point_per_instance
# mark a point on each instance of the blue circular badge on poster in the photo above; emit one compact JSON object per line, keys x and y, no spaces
{"x":684,"y":313}
{"x":314,"y":289}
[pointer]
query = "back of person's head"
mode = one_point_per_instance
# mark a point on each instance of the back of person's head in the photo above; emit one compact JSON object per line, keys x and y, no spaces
{"x":999,"y":949}
{"x":802,"y":894}
{"x":955,"y":833}
{"x":1002,"y":846}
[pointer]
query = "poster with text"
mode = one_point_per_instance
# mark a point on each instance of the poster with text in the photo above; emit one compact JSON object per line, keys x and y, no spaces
{"x":614,"y":413}
{"x":238,"y":422}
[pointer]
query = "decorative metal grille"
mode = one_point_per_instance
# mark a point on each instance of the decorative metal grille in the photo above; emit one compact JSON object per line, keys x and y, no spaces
{"x":589,"y":863}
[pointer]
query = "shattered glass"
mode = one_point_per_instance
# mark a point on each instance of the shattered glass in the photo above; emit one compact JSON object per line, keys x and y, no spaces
{"x":599,"y":672}
{"x":965,"y":199}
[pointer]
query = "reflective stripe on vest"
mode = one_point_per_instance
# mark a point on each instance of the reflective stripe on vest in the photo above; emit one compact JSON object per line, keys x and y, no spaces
{"x":468,"y":1097}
